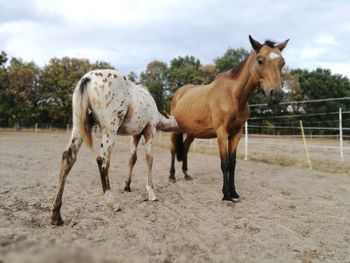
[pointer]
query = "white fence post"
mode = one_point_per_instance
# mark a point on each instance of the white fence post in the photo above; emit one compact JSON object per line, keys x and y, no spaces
{"x":246,"y":141}
{"x":341,"y":136}
{"x":36,"y":127}
{"x":67,"y":127}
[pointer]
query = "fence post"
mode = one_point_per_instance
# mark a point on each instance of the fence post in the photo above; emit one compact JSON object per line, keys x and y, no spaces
{"x":246,"y":141}
{"x":305,"y":145}
{"x":341,"y":136}
{"x":194,"y":146}
{"x":36,"y":127}
{"x":67,"y":128}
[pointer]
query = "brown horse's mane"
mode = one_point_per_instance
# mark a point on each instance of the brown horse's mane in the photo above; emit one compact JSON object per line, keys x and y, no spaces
{"x":270,"y":43}
{"x":237,"y":69}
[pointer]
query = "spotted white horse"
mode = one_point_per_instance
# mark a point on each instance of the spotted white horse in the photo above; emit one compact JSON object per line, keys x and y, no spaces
{"x":119,"y":107}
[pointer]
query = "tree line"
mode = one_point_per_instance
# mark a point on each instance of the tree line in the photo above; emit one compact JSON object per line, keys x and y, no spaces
{"x":31,"y":94}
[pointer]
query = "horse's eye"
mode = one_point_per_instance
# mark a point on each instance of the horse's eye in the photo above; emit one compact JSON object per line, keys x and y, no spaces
{"x":260,"y":61}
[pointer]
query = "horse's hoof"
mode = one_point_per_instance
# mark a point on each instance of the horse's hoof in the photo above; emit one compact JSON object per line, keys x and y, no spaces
{"x":235,"y":200}
{"x":188,"y":177}
{"x":127,"y":188}
{"x":114,"y":207}
{"x":172,"y":179}
{"x":56,"y":221}
{"x":235,"y":197}
{"x":151,"y":195}
{"x":152,"y":198}
{"x":230,"y":199}
{"x":117,"y":208}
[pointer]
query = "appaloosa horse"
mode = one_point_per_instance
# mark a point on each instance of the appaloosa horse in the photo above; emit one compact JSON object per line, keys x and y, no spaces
{"x":119,"y":107}
{"x":220,"y":108}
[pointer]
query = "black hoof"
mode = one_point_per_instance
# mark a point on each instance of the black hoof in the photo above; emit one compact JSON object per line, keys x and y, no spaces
{"x":172,"y":179}
{"x":230,"y":199}
{"x":188,"y":177}
{"x":56,"y":220}
{"x":127,"y":188}
{"x":235,"y":197}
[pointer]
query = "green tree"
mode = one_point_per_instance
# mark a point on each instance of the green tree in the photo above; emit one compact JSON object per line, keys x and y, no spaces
{"x":132,"y":76}
{"x":57,"y":84}
{"x":5,"y":103}
{"x":23,"y":81}
{"x":321,"y":84}
{"x":155,"y":79}
{"x":183,"y":70}
{"x":230,"y":59}
{"x":207,"y":73}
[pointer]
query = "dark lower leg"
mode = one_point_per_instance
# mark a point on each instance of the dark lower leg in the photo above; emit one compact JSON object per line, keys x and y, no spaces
{"x":185,"y":168}
{"x":225,"y":164}
{"x":231,"y":179}
{"x":172,"y":168}
{"x":103,"y":167}
{"x":187,"y":145}
{"x":173,"y":138}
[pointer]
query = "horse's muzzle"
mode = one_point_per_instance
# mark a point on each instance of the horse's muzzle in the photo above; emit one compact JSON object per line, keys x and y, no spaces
{"x":274,"y":96}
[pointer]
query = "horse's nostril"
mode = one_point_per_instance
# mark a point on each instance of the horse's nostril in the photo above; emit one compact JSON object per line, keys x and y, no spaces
{"x":273,"y":93}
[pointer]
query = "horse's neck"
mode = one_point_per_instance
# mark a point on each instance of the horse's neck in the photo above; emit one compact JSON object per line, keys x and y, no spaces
{"x":246,"y":83}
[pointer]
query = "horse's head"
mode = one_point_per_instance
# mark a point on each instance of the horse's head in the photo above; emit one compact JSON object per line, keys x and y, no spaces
{"x":267,"y":67}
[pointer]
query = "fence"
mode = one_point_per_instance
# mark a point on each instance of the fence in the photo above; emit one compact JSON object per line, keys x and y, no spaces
{"x":279,"y":143}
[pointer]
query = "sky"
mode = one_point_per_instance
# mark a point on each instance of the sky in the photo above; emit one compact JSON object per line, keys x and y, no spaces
{"x":129,"y":34}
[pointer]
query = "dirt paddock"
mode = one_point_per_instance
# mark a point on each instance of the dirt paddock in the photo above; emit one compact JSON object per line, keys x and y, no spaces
{"x":285,"y":214}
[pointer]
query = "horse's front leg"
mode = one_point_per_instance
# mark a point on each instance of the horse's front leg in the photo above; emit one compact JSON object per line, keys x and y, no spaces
{"x":149,"y":134}
{"x":103,"y":160}
{"x":233,"y":143}
{"x":222,"y":136}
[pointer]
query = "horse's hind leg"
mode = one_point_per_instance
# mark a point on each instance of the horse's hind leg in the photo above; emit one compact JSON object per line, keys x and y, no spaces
{"x":187,"y":144}
{"x":173,"y":137}
{"x":132,"y":161}
{"x":149,"y":135}
{"x":103,"y":160}
{"x":68,"y":158}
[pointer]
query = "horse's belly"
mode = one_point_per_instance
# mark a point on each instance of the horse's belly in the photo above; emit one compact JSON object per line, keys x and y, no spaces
{"x":197,"y":129}
{"x":132,"y":127}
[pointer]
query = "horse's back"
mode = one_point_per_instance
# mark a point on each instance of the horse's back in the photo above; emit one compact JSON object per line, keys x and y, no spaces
{"x":118,"y":104}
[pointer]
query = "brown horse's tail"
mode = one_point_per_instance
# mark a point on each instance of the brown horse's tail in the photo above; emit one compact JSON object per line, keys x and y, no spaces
{"x":180,"y":149}
{"x":81,"y":111}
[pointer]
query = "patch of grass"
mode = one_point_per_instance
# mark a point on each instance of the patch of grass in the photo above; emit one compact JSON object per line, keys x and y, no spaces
{"x":273,"y":160}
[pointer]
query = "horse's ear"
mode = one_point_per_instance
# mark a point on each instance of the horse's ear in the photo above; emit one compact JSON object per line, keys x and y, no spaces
{"x":255,"y":44}
{"x":282,"y":45}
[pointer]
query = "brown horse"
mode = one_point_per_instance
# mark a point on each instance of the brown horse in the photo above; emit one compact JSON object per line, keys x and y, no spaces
{"x":220,"y":108}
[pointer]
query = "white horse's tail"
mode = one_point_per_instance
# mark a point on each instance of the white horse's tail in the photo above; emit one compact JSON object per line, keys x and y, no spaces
{"x":81,"y":111}
{"x":168,"y":124}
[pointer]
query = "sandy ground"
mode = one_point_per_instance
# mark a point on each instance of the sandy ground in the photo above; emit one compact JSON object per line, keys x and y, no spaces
{"x":285,"y":214}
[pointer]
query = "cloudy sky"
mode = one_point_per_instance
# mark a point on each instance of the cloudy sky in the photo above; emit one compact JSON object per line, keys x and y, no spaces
{"x":131,"y":33}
